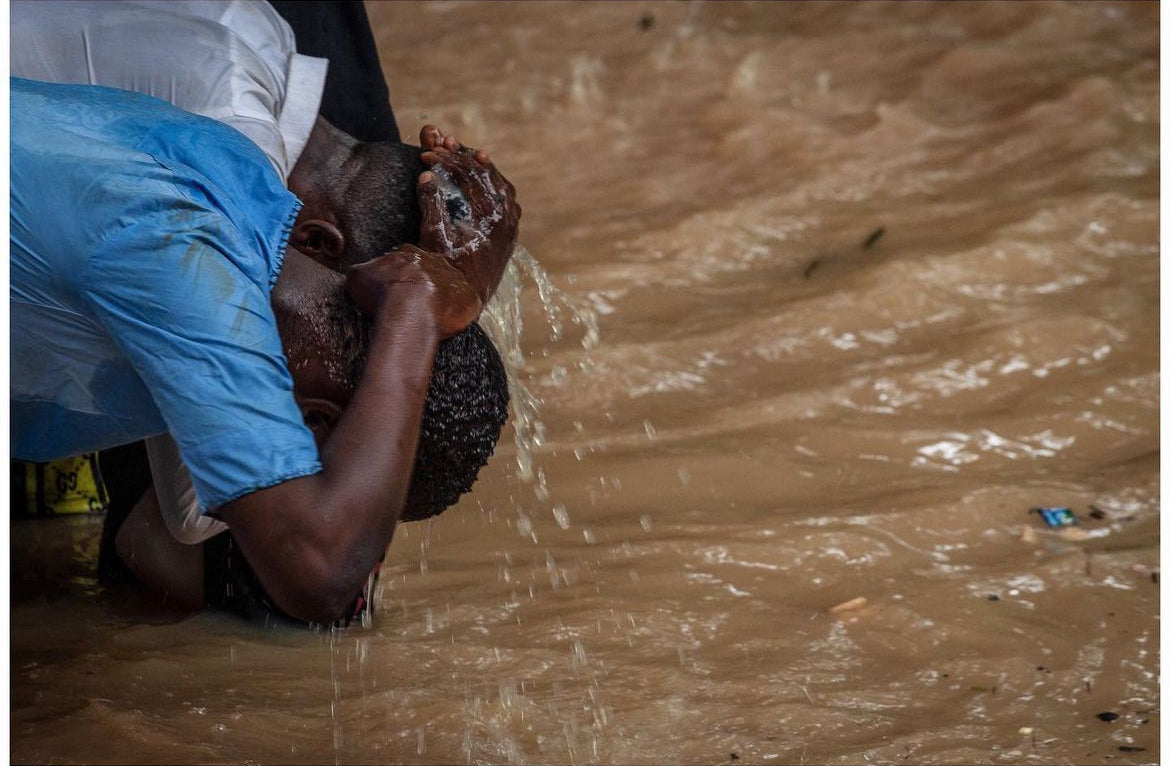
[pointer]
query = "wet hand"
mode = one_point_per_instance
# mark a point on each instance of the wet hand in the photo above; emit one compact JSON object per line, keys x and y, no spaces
{"x":409,"y":279}
{"x":477,"y":229}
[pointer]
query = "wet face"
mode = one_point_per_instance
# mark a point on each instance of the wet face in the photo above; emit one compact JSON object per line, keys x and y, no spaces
{"x":310,"y":318}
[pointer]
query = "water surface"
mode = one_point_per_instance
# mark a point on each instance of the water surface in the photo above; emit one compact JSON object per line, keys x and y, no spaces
{"x":787,"y":411}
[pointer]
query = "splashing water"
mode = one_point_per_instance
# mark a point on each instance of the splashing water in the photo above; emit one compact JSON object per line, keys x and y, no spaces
{"x":502,"y":320}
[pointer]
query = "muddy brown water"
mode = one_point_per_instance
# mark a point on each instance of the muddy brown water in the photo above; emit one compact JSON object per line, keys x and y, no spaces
{"x":778,"y":419}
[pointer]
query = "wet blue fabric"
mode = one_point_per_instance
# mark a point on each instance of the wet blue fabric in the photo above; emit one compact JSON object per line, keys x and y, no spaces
{"x":145,"y":242}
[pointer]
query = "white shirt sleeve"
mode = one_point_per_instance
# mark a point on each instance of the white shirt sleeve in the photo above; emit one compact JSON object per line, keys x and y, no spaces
{"x":176,"y":495}
{"x":231,"y":60}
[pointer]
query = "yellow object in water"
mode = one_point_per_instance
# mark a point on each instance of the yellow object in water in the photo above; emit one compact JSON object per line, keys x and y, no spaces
{"x":69,"y":485}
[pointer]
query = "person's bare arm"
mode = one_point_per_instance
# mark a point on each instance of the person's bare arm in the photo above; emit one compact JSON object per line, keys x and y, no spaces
{"x":170,"y":568}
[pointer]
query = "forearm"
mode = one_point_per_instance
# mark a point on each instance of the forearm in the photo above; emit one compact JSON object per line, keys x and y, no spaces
{"x":368,"y":459}
{"x":313,"y":540}
{"x":165,"y":565}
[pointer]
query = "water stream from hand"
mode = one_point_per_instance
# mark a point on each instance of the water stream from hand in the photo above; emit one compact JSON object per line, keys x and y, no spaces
{"x":503,"y":321}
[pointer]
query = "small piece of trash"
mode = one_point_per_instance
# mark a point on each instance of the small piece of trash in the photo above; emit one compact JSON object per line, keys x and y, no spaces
{"x":1057,"y":517}
{"x":1108,"y":716}
{"x":872,"y":239}
{"x":992,"y":597}
{"x":1026,"y":730}
{"x":1097,"y":513}
{"x":850,"y":605}
{"x":1131,"y":749}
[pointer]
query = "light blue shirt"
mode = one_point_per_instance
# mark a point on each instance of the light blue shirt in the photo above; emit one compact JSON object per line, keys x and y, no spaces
{"x":145,"y":242}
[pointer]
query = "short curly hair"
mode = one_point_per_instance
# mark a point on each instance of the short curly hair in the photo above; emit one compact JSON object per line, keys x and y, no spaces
{"x":466,"y":408}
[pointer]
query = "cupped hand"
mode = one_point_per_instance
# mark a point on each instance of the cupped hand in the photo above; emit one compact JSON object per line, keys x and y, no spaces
{"x":478,"y":238}
{"x":409,"y":279}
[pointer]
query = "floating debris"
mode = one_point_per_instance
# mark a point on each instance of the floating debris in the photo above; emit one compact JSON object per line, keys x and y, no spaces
{"x":992,"y":597}
{"x":811,"y":267}
{"x":1097,"y":513}
{"x":1057,"y":517}
{"x":646,"y":23}
{"x":1131,"y":749}
{"x":1108,"y":716}
{"x":872,"y":239}
{"x":850,"y":605}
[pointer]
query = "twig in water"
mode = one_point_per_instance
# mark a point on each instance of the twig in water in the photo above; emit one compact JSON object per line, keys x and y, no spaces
{"x":872,"y":239}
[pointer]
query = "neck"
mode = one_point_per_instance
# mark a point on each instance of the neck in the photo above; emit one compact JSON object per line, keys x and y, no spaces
{"x":325,"y":158}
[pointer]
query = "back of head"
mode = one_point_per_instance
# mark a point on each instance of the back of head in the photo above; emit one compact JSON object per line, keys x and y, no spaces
{"x":465,"y":411}
{"x":376,"y":199}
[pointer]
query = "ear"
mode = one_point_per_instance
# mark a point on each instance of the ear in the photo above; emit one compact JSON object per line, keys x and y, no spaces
{"x":321,"y":416}
{"x":320,"y":240}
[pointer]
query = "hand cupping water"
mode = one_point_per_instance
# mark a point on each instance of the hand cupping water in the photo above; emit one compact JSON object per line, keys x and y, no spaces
{"x":407,"y":274}
{"x":476,"y":230}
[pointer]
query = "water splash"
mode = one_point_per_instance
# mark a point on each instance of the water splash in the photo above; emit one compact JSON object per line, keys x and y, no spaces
{"x":502,"y":320}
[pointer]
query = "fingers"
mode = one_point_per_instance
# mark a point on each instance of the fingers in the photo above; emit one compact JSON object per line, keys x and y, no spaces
{"x":470,"y":169}
{"x":433,"y":140}
{"x":430,"y":137}
{"x":465,"y":165}
{"x":435,"y":231}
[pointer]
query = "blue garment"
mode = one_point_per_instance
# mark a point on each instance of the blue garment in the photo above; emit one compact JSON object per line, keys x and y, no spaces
{"x":144,"y":245}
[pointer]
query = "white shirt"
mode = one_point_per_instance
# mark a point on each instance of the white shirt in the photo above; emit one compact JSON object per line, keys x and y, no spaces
{"x":231,"y":60}
{"x":234,"y":61}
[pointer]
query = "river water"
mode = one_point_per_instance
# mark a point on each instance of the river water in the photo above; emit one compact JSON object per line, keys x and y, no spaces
{"x":872,"y":281}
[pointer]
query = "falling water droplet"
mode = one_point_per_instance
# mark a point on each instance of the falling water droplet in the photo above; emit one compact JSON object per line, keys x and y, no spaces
{"x":502,"y":320}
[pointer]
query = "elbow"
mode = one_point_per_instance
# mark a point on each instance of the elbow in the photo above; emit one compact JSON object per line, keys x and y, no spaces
{"x":315,"y":589}
{"x":310,"y":563}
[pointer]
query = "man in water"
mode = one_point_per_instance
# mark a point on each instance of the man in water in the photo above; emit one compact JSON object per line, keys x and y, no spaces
{"x":465,"y":410}
{"x":146,"y":249}
{"x":238,"y":62}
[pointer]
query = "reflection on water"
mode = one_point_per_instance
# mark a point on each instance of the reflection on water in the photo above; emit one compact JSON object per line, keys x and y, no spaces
{"x":788,"y":412}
